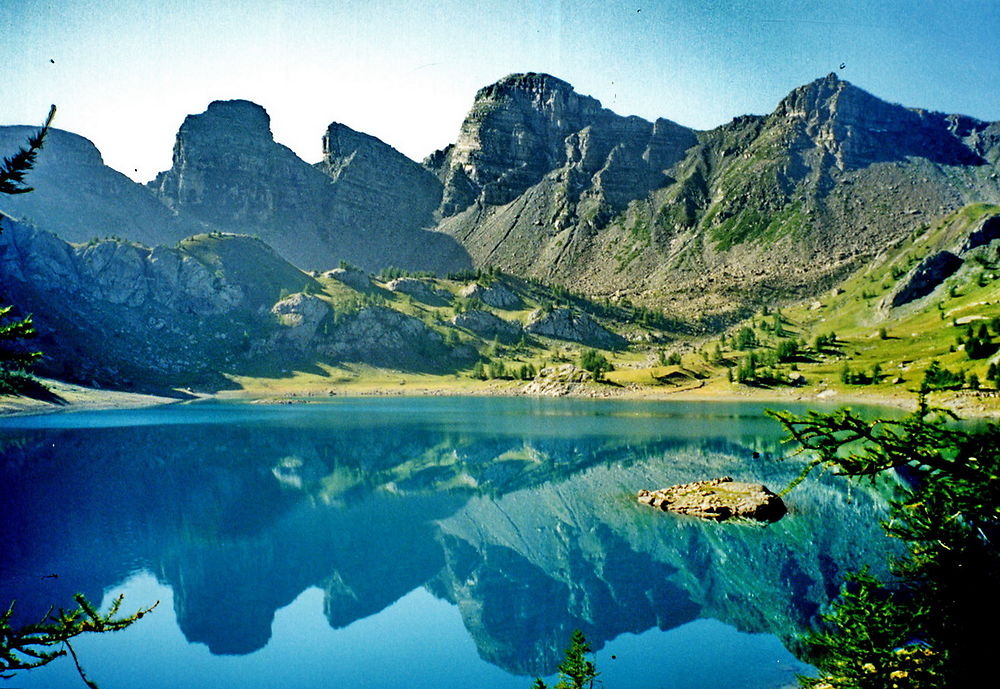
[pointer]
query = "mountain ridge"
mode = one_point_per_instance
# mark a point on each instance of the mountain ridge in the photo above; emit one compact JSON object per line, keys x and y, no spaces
{"x":545,"y":182}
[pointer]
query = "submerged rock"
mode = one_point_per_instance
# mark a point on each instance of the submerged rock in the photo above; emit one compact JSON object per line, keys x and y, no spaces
{"x":718,"y":499}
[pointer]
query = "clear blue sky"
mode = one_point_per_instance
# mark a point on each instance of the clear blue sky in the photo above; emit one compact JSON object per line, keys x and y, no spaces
{"x":126,"y":72}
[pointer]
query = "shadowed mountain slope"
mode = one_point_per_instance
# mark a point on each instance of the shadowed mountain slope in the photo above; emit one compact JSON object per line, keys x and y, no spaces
{"x":365,"y":203}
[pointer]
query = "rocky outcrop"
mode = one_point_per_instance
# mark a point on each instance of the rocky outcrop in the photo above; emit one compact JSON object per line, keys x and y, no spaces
{"x":126,"y":316}
{"x":497,"y":295}
{"x":575,"y":326}
{"x":557,"y":381}
{"x":352,"y":277}
{"x":487,"y":325}
{"x":926,"y":277}
{"x":382,"y":336}
{"x":117,"y":273}
{"x":717,"y":499}
{"x":416,"y":288}
{"x":301,"y":316}
{"x":987,"y":232}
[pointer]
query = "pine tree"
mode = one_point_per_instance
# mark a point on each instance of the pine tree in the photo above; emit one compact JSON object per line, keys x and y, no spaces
{"x":15,"y":358}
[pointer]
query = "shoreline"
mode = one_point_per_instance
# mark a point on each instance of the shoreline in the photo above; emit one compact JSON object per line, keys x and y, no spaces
{"x":71,"y":398}
{"x":966,"y":404}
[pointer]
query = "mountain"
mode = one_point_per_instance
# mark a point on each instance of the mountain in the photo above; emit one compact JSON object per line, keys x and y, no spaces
{"x":365,"y":203}
{"x":542,"y":182}
{"x":79,"y":198}
{"x":538,"y":168}
{"x":546,"y":183}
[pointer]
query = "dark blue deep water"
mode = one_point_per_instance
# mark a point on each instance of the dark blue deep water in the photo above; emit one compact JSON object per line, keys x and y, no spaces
{"x":419,"y":543}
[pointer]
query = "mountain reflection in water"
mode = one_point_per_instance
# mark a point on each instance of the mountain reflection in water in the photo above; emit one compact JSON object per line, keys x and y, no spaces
{"x":519,"y":512}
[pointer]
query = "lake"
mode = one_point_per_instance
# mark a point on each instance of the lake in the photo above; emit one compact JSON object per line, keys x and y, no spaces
{"x":419,"y":542}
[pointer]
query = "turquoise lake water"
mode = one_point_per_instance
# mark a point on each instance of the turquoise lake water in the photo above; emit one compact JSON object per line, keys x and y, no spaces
{"x":418,"y":542}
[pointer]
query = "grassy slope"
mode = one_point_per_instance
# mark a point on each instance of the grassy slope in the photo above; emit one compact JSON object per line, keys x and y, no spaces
{"x":915,"y":334}
{"x":856,"y":312}
{"x":358,"y":378}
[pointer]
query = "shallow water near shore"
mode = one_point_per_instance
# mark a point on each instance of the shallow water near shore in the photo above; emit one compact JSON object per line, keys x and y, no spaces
{"x":419,"y":542}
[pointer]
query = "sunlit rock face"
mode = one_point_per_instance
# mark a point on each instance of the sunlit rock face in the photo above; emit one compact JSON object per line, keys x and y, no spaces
{"x":567,"y":324}
{"x":527,"y":125}
{"x":858,"y":129}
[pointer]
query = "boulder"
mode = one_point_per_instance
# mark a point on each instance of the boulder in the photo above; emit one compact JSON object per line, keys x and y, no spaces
{"x":718,"y":499}
{"x":301,"y":315}
{"x":556,"y":381}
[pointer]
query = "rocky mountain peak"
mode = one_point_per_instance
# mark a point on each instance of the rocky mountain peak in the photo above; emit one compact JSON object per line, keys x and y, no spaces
{"x":542,"y":92}
{"x":827,"y":97}
{"x":859,"y":129}
{"x":525,"y":126}
{"x":344,"y":147}
{"x":241,"y":116}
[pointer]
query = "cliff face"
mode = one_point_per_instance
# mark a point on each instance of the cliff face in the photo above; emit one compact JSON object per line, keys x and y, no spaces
{"x":538,"y":167}
{"x":364,"y":203}
{"x":229,"y":172}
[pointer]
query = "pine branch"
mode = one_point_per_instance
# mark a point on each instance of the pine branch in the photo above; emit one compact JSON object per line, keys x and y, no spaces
{"x":14,"y":168}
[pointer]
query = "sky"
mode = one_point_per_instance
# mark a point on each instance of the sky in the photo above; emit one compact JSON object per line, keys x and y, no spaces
{"x":125,"y":73}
